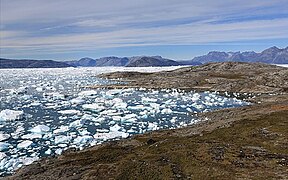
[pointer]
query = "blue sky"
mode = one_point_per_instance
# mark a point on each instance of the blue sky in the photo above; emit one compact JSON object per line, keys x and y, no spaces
{"x":177,"y":29}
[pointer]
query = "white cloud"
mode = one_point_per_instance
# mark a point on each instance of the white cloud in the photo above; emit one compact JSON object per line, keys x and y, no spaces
{"x":73,"y":25}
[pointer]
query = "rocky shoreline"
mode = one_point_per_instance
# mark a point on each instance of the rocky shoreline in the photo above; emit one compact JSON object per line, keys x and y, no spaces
{"x":239,"y":143}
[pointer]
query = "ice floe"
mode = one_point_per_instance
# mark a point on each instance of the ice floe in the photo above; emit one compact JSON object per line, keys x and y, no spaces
{"x":10,"y":115}
{"x":40,"y":129}
{"x":25,"y":144}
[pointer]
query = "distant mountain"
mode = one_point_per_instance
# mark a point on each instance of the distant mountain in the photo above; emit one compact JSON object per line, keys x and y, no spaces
{"x":144,"y":61}
{"x":26,"y":63}
{"x":112,"y":61}
{"x":271,"y":55}
{"x":135,"y":61}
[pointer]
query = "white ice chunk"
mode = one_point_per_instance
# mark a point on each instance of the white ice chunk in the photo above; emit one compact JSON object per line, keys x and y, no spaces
{"x":4,"y":137}
{"x":113,"y":92}
{"x":166,"y":111}
{"x":116,"y":127}
{"x":29,"y":160}
{"x":61,"y":129}
{"x":32,"y":136}
{"x":88,"y":93}
{"x":83,"y":139}
{"x":152,"y":126}
{"x":111,"y":135}
{"x":77,"y":100}
{"x":147,"y":100}
{"x":93,"y":107}
{"x":48,"y":152}
{"x":10,"y":115}
{"x":139,"y":107}
{"x":59,"y":151}
{"x":35,"y":104}
{"x":69,"y":112}
{"x":62,"y":139}
{"x":77,"y":123}
{"x":56,"y":96}
{"x":25,"y":144}
{"x":2,"y":156}
{"x":40,"y":129}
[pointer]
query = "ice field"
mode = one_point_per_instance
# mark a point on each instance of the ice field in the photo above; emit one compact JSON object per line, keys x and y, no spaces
{"x":46,"y":111}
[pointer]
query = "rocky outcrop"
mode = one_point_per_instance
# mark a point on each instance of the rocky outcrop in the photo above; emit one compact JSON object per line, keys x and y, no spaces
{"x":225,"y":76}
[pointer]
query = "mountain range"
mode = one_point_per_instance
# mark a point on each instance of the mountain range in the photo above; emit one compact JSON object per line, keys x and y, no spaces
{"x":28,"y":63}
{"x":273,"y":55}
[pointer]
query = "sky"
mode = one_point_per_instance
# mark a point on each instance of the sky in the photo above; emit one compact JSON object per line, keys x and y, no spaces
{"x":176,"y":29}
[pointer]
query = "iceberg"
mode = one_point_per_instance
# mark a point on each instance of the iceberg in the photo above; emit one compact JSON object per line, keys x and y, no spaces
{"x":77,"y":123}
{"x":24,"y":144}
{"x":10,"y":115}
{"x":69,"y":112}
{"x":62,"y":139}
{"x":147,"y":100}
{"x":40,"y":129}
{"x":4,"y":137}
{"x":32,"y":136}
{"x":83,"y":139}
{"x":87,"y":93}
{"x":93,"y":107}
{"x":2,"y":155}
{"x":110,"y":135}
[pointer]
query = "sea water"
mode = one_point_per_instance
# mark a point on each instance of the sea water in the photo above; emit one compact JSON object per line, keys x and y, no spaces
{"x":44,"y":112}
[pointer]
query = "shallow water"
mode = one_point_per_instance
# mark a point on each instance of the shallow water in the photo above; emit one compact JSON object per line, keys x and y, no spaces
{"x":46,"y":111}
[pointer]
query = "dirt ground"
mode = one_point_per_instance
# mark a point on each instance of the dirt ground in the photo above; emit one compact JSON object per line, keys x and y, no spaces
{"x":249,"y":142}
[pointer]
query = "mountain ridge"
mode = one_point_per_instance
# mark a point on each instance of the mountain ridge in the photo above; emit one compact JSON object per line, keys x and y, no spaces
{"x":272,"y":55}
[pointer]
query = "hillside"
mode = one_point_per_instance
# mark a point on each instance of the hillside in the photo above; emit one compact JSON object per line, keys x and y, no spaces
{"x":11,"y":63}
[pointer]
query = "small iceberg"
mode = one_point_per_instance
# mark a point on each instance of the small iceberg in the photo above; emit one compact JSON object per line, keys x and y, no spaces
{"x":10,"y":115}
{"x":40,"y":129}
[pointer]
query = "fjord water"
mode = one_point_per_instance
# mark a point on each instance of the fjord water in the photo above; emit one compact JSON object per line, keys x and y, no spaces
{"x":46,"y":111}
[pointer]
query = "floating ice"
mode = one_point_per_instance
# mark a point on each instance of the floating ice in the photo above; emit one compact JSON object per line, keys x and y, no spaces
{"x":147,"y":100}
{"x":88,"y":93}
{"x":61,"y":129}
{"x":25,"y":144}
{"x":166,"y":111}
{"x":69,"y":112}
{"x":138,"y":107}
{"x":111,"y":135}
{"x":83,"y":139}
{"x":116,"y":127}
{"x":62,"y":139}
{"x":10,"y":115}
{"x":2,"y":155}
{"x":48,"y":151}
{"x":40,"y":129}
{"x":59,"y":151}
{"x":31,"y":136}
{"x":4,"y":137}
{"x":29,"y":160}
{"x":77,"y":123}
{"x":93,"y":107}
{"x":77,"y":100}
